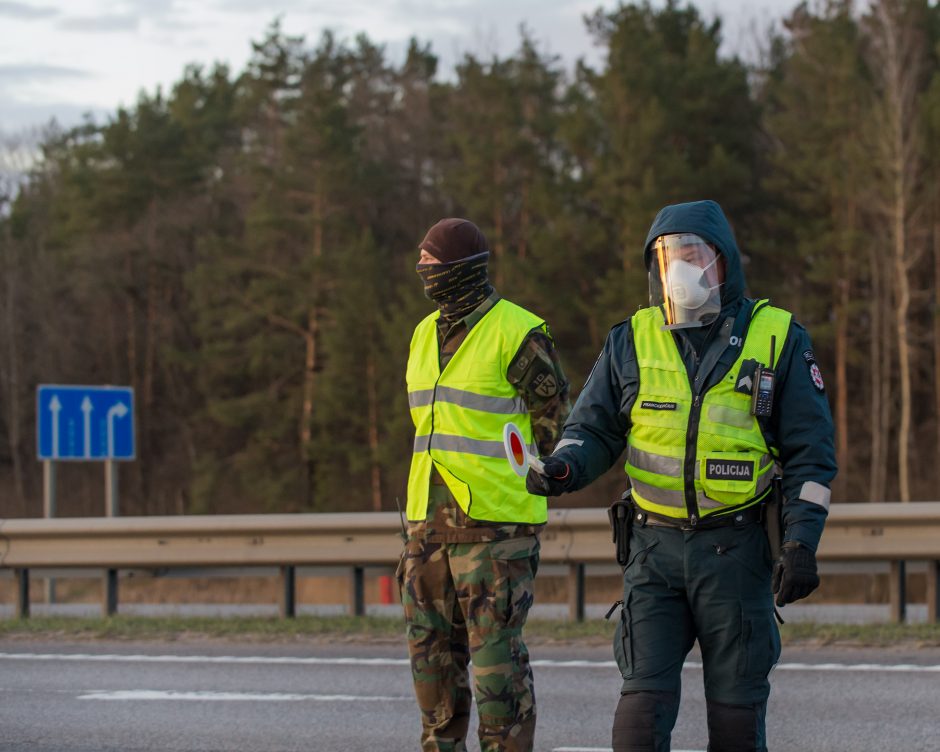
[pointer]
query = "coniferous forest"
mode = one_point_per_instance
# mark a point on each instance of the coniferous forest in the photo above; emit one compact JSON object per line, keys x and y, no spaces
{"x":240,"y":249}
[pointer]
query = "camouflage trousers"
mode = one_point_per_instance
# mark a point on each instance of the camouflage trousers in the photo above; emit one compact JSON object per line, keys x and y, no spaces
{"x":467,"y":603}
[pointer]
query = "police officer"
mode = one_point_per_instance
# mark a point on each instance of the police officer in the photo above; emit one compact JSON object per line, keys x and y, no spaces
{"x":472,"y":549}
{"x":675,"y":386}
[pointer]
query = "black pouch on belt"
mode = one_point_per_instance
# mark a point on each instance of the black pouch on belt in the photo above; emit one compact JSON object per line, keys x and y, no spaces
{"x":773,"y":518}
{"x":620,"y":514}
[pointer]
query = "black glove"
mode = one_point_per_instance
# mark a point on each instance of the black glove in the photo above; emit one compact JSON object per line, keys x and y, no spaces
{"x":794,"y":573}
{"x":556,"y":480}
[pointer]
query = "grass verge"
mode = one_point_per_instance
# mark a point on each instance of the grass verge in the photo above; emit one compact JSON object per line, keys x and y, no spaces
{"x":388,"y":629}
{"x":862,"y":635}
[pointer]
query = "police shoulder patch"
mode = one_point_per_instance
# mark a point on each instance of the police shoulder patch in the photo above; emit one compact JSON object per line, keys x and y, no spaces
{"x":808,"y":356}
{"x":816,"y":376}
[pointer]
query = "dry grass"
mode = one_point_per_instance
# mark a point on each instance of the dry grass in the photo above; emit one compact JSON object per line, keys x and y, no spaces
{"x":374,"y":629}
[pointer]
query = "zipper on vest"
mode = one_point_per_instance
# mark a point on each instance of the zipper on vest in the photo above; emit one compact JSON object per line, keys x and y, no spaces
{"x":691,"y":439}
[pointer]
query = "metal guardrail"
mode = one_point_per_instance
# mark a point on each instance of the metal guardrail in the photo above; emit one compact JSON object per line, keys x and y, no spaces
{"x":888,"y":531}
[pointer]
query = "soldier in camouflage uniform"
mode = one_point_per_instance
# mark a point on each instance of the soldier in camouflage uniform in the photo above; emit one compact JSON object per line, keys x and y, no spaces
{"x":466,"y":576}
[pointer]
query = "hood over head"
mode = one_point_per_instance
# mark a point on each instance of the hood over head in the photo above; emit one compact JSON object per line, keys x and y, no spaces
{"x":706,"y":219}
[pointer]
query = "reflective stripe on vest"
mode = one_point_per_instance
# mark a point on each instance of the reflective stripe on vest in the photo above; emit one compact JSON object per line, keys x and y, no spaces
{"x":459,"y":416}
{"x":732,"y":467}
{"x":501,"y":405}
{"x":463,"y":445}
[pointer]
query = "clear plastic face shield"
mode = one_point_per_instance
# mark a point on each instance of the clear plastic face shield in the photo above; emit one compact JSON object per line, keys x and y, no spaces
{"x":685,"y":278}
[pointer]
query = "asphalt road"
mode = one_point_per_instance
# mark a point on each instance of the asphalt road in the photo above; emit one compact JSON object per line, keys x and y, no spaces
{"x":192,"y":697}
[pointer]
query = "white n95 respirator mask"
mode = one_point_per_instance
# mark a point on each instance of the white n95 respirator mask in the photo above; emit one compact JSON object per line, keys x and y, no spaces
{"x":685,"y":280}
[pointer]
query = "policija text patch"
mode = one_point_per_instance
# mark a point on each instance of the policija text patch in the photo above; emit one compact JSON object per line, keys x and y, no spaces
{"x":729,"y":470}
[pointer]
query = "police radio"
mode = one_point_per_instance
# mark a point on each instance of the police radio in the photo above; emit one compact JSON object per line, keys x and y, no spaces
{"x":762,"y":398}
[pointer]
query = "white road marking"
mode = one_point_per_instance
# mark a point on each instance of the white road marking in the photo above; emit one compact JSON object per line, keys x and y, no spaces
{"x":155,"y":694}
{"x":878,"y":667}
{"x":574,"y":664}
{"x":223,"y":659}
{"x":312,"y":661}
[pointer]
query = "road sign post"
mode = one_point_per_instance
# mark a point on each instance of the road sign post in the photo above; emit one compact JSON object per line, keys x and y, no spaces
{"x":85,"y":424}
{"x":111,"y":488}
{"x":48,"y":511}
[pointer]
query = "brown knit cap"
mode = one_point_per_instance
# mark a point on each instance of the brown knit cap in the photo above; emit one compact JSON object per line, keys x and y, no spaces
{"x":453,"y":239}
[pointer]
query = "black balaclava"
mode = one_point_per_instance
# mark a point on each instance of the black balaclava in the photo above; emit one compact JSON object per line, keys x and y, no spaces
{"x":460,"y":282}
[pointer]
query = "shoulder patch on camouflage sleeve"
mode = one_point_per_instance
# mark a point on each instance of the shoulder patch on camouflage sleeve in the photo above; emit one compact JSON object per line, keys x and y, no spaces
{"x":527,"y":354}
{"x":537,"y":376}
{"x":544,"y":385}
{"x":518,"y":367}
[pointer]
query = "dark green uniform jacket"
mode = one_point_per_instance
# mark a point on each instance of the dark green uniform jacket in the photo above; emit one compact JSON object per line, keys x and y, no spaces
{"x":800,"y":426}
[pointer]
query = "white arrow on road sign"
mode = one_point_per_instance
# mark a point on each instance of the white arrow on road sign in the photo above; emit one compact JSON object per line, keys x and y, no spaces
{"x":77,"y":422}
{"x":55,"y":407}
{"x":119,"y":410}
{"x":86,"y":411}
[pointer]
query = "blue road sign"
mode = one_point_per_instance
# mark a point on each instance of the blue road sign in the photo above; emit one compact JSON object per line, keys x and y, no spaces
{"x":85,"y":422}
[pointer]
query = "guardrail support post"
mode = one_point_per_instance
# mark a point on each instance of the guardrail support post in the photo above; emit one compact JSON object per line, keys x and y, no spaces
{"x":288,"y":592}
{"x":933,"y":592}
{"x":897,"y":588}
{"x":357,"y":592}
{"x":110,"y":603}
{"x":22,"y":600}
{"x":576,"y":592}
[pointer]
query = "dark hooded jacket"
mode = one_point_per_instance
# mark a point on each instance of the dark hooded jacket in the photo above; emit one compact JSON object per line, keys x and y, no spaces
{"x":800,"y":426}
{"x":707,"y":220}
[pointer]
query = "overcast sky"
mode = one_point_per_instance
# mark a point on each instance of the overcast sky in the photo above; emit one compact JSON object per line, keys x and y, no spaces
{"x":62,"y":58}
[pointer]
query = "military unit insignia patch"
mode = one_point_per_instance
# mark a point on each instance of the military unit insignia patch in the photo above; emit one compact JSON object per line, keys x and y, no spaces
{"x":545,"y":385}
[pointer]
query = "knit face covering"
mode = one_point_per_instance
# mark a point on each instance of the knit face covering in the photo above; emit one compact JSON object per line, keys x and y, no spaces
{"x":458,"y":287}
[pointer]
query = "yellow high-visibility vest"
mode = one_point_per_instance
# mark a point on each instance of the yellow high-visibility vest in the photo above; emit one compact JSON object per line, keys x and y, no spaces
{"x":459,"y":416}
{"x":699,"y":455}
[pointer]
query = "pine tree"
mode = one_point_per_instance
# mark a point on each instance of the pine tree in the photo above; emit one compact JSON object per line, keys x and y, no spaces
{"x":931,"y":111}
{"x":675,"y":123}
{"x":897,"y":51}
{"x":815,"y":97}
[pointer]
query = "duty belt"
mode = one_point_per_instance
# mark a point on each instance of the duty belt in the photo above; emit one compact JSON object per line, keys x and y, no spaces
{"x":730,"y":519}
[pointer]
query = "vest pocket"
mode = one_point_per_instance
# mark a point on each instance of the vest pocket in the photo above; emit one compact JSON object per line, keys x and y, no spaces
{"x":730,"y":477}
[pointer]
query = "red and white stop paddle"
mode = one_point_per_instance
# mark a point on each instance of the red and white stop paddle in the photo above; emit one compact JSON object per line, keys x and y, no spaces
{"x":517,"y":454}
